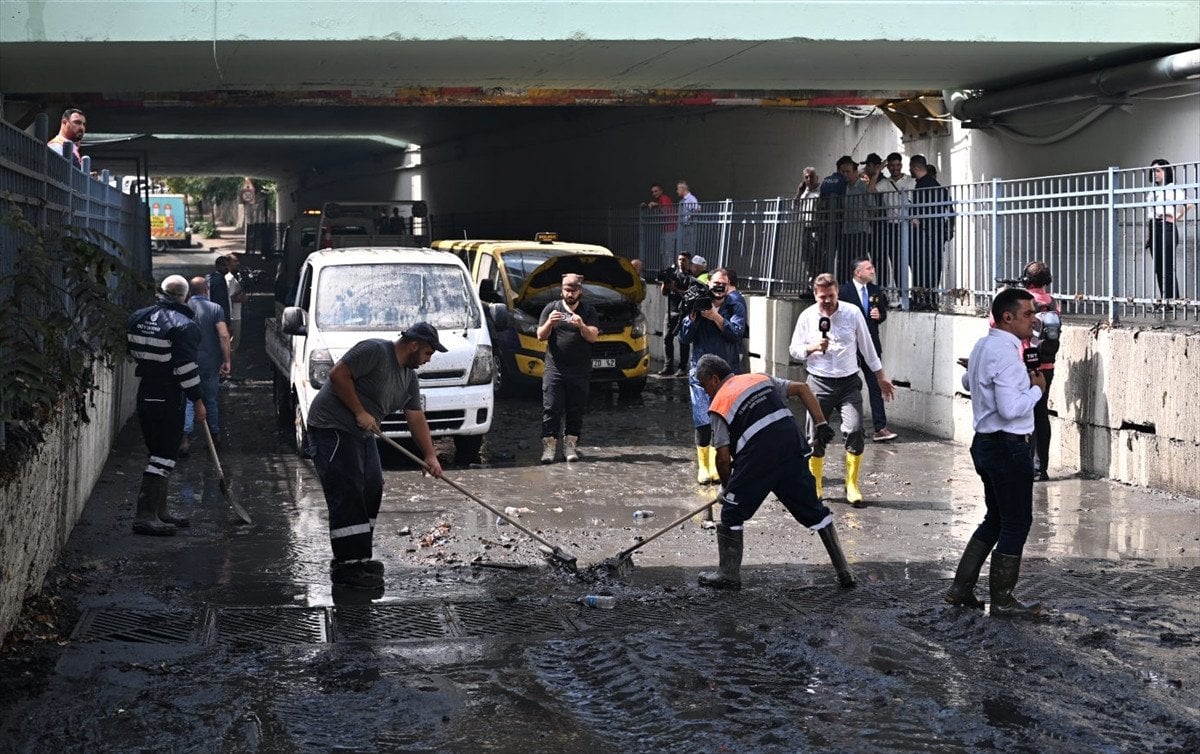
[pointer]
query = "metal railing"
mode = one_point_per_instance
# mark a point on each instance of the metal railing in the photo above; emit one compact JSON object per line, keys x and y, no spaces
{"x":57,"y":198}
{"x":1119,"y":244}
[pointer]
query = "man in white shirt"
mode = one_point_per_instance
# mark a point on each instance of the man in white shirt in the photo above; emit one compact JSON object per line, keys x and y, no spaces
{"x":688,"y":206}
{"x":237,"y":296}
{"x":893,"y":188}
{"x":1003,"y":394}
{"x":829,"y":337}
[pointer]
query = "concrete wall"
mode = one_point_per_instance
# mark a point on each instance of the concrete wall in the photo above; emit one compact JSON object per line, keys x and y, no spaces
{"x":39,"y":508}
{"x":1120,"y":400}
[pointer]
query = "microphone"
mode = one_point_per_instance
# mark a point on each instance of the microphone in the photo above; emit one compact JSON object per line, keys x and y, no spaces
{"x":1032,"y":359}
{"x":823,"y":325}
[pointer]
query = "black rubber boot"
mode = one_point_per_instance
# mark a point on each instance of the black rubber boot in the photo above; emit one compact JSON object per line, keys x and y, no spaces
{"x":160,"y":508}
{"x":355,"y":575}
{"x":146,"y":519}
{"x":370,"y":566}
{"x":729,"y":550}
{"x":1002,"y":578}
{"x":962,"y":591}
{"x":829,"y":538}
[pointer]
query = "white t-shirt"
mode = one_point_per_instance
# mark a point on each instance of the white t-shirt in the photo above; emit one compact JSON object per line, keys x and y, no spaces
{"x":235,"y":289}
{"x":892,"y":192}
{"x":1166,"y":202}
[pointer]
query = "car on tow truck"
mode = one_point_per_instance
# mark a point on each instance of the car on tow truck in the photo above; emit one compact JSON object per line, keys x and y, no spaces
{"x":524,"y":276}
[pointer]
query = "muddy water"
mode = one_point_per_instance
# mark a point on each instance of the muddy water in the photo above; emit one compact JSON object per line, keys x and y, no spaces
{"x":456,"y":656}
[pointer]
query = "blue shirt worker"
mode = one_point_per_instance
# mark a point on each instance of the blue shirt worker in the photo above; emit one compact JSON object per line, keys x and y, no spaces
{"x":716,"y":329}
{"x":163,"y":339}
{"x":214,"y":357}
{"x":759,"y":450}
{"x":1003,"y":395}
{"x":373,"y":379}
{"x":829,"y":337}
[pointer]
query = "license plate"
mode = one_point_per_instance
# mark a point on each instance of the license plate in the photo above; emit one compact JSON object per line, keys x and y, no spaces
{"x":604,"y":363}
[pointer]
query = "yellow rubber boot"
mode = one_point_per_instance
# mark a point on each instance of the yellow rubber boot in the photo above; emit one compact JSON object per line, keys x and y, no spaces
{"x":713,"y":476}
{"x":817,"y":467}
{"x":853,"y":493}
{"x":703,"y":453}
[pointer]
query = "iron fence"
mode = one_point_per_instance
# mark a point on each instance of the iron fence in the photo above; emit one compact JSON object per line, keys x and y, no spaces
{"x":58,"y":198}
{"x":1119,"y":244}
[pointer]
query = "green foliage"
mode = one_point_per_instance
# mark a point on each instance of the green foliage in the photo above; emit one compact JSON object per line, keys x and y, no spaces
{"x":209,"y":190}
{"x":205,"y":229}
{"x":57,"y":320}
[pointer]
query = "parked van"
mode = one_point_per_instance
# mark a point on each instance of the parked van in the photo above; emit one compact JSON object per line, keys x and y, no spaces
{"x":524,"y":276}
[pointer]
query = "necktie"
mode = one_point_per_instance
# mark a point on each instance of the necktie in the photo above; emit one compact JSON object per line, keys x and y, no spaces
{"x":866,"y":303}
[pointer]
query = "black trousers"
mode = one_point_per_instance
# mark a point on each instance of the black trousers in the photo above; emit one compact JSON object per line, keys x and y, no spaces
{"x":671,"y":334}
{"x":352,"y":479}
{"x":1041,"y":424}
{"x":1005,"y":466}
{"x":564,"y":396}
{"x":160,"y":414}
{"x":1162,"y":241}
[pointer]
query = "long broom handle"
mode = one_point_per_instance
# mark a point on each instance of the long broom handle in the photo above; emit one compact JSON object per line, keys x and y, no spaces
{"x":628,"y":551}
{"x":459,"y":487}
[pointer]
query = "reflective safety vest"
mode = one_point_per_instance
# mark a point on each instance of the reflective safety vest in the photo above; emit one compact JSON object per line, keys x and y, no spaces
{"x":163,"y":339}
{"x":749,"y":404}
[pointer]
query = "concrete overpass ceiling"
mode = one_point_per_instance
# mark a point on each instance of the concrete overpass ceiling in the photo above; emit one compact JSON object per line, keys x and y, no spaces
{"x":432,"y":72}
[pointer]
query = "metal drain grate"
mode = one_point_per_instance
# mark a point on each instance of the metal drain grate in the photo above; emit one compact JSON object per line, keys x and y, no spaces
{"x":743,"y":608}
{"x":271,"y":626}
{"x":137,"y":627}
{"x":490,"y":618}
{"x":628,"y":614}
{"x":820,"y":599}
{"x":1186,"y":580}
{"x":421,"y":620}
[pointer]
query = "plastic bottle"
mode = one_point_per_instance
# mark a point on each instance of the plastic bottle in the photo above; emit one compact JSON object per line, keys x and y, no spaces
{"x":643,"y":514}
{"x":602,"y":601}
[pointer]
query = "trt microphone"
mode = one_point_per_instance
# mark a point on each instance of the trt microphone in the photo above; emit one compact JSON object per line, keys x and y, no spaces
{"x":823,"y":325}
{"x":1032,"y":359}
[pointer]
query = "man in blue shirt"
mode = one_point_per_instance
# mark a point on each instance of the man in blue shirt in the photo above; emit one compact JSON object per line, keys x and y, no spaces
{"x":1003,"y":394}
{"x":718,"y":330}
{"x":213,"y":358}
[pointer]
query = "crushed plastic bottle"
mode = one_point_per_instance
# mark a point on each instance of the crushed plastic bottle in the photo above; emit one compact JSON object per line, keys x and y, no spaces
{"x":602,"y":601}
{"x":643,"y":514}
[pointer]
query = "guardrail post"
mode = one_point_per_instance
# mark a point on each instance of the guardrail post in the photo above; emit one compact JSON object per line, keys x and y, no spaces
{"x":41,"y":132}
{"x":997,"y":238}
{"x":772,"y":239}
{"x":905,"y":253}
{"x":1110,"y":199}
{"x":724,"y":226}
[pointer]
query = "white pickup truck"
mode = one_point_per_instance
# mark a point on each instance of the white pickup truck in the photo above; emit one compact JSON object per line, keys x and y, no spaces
{"x":348,"y":295}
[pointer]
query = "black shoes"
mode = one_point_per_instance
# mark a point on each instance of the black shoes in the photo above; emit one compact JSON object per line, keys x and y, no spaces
{"x":667,"y":370}
{"x":364,"y":575}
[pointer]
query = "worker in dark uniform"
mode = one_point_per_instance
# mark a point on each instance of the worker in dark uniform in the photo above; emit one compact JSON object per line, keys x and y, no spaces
{"x":759,"y":449}
{"x":164,"y":340}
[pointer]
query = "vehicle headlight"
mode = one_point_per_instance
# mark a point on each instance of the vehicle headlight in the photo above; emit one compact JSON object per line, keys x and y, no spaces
{"x":319,"y":364}
{"x":481,"y":367}
{"x":638,"y":328}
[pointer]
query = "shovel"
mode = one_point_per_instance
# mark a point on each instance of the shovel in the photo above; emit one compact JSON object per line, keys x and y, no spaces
{"x":621,"y":562}
{"x":553,"y":551}
{"x":212,"y":451}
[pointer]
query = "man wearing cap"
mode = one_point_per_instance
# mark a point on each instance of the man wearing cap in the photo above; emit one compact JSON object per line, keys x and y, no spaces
{"x":373,"y":379}
{"x":569,"y":327}
{"x":163,"y":339}
{"x":700,"y":268}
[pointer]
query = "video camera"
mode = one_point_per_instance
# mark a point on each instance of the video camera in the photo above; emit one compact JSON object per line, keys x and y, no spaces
{"x":673,"y":275}
{"x":699,"y":297}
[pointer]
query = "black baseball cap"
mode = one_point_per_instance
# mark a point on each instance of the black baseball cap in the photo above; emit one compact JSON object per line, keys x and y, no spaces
{"x":426,"y":333}
{"x":873,"y":159}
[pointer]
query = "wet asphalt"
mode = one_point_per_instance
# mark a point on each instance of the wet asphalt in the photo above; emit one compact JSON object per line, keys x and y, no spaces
{"x":230,"y":637}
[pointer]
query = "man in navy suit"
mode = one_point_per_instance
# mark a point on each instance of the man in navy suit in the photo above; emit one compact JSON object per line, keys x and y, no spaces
{"x":869,"y":297}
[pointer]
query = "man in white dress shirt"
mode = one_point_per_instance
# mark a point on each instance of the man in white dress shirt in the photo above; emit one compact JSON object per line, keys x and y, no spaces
{"x":1003,"y":394}
{"x":831,"y":354}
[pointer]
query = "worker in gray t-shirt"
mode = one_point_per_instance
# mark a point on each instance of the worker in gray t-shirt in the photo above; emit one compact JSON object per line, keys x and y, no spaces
{"x":373,"y":379}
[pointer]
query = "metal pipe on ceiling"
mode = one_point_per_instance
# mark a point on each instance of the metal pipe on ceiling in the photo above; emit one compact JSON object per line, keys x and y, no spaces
{"x":1120,"y":81}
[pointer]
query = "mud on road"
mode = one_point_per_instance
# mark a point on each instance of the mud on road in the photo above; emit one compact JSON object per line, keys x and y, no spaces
{"x":230,"y":638}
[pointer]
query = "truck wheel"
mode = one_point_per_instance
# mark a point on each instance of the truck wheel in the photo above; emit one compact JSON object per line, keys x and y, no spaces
{"x":631,"y":388}
{"x":504,"y":380}
{"x":466,"y":449}
{"x":301,"y":434}
{"x":159,"y":246}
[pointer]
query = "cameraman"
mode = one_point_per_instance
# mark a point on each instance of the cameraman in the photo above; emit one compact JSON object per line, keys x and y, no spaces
{"x":712,"y":323}
{"x":1036,"y":279}
{"x":672,"y":284}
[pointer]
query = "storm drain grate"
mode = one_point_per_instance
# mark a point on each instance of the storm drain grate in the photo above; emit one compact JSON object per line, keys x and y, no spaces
{"x":820,"y":599}
{"x":270,"y":626}
{"x":1186,"y":580}
{"x":743,"y":608}
{"x":490,"y":618}
{"x":919,"y":591}
{"x":400,"y":622}
{"x":137,"y":627}
{"x":629,"y":614}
